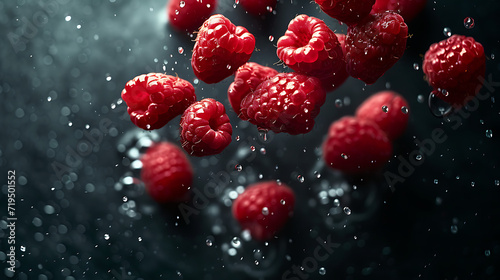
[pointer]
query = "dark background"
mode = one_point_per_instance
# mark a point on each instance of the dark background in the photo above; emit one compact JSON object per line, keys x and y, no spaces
{"x":63,"y":64}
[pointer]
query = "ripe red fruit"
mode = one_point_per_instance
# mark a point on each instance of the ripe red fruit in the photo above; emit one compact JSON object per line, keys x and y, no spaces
{"x":356,"y":146}
{"x":246,"y":80}
{"x":166,"y":173}
{"x":258,"y":7}
{"x":221,"y":47}
{"x":205,"y":128}
{"x":347,"y":11}
{"x":264,"y":208}
{"x":375,"y":45}
{"x":408,"y":9}
{"x":310,"y":47}
{"x":154,"y":99}
{"x":388,"y":110}
{"x":188,"y":15}
{"x":287,"y":102}
{"x":453,"y":67}
{"x":341,"y":38}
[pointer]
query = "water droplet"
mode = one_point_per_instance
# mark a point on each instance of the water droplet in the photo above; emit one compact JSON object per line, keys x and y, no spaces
{"x":265,"y":211}
{"x":269,"y":9}
{"x":87,"y":126}
{"x":252,"y":148}
{"x":256,"y":262}
{"x":469,"y":23}
{"x":238,"y":167}
{"x":492,"y":56}
{"x":208,"y":6}
{"x":436,"y":181}
{"x":472,"y":184}
{"x":148,"y":126}
{"x":67,"y":18}
{"x":139,"y":239}
{"x":180,"y":50}
{"x":336,"y":202}
{"x":385,"y":109}
{"x":106,"y":236}
{"x":271,"y":38}
{"x":322,"y":271}
{"x":420,"y":98}
{"x":236,"y":2}
{"x":447,"y":31}
{"x":489,"y":133}
{"x":196,"y":81}
{"x":418,"y":157}
{"x":438,"y":107}
{"x":344,"y":156}
{"x":176,"y":12}
{"x":497,"y":183}
{"x":125,"y":199}
{"x":487,"y":253}
{"x":70,"y":124}
{"x":237,"y":138}
{"x":347,"y":210}
{"x":416,"y":66}
{"x":209,"y":242}
{"x":182,"y":4}
{"x":404,"y":110}
{"x":338,"y":103}
{"x":318,"y":175}
{"x":49,"y":98}
{"x":263,"y":150}
{"x":235,"y":242}
{"x":454,"y":229}
{"x":283,"y":202}
{"x":228,"y":67}
{"x":301,"y":178}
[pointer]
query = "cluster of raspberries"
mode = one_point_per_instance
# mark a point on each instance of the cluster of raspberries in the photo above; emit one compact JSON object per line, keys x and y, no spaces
{"x":321,"y":61}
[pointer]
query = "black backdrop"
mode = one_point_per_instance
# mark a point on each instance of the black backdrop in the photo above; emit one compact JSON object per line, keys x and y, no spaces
{"x":63,"y":65}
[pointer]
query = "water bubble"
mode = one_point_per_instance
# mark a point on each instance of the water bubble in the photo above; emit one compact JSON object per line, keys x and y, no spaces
{"x":469,"y":23}
{"x":420,"y":98}
{"x":317,"y":174}
{"x":106,"y":236}
{"x":208,"y":6}
{"x":497,"y":183}
{"x":344,"y":156}
{"x":269,"y":9}
{"x":472,"y":184}
{"x":338,"y":103}
{"x":23,"y":249}
{"x":271,"y":38}
{"x":385,"y":109}
{"x":67,"y":18}
{"x":237,"y":138}
{"x":436,"y":181}
{"x":454,"y":229}
{"x":322,"y":271}
{"x":263,"y":150}
{"x":238,"y":167}
{"x":252,"y":148}
{"x":447,"y":31}
{"x":176,"y":12}
{"x":487,"y":253}
{"x":180,"y":50}
{"x":228,"y":67}
{"x":236,"y":242}
{"x":209,"y":242}
{"x":125,"y":199}
{"x":70,"y":124}
{"x":416,"y":66}
{"x":182,"y":4}
{"x":265,"y":211}
{"x":492,"y":56}
{"x":49,"y":98}
{"x":301,"y":178}
{"x":418,"y":157}
{"x":139,"y":239}
{"x":404,"y":110}
{"x":283,"y":202}
{"x":336,"y":202}
{"x":438,"y":107}
{"x":347,"y":210}
{"x":489,"y":133}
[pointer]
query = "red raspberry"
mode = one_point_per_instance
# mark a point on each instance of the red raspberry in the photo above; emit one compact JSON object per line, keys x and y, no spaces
{"x":258,"y":7}
{"x":375,"y":45}
{"x":287,"y":102}
{"x":221,"y":47}
{"x":205,"y":128}
{"x":453,"y":67}
{"x":356,"y":146}
{"x":311,"y":48}
{"x":341,"y":38}
{"x":264,"y":208}
{"x":408,"y":9}
{"x":166,"y":173}
{"x":154,"y":99}
{"x":347,"y":11}
{"x":388,"y":110}
{"x":246,"y":80}
{"x":188,"y":15}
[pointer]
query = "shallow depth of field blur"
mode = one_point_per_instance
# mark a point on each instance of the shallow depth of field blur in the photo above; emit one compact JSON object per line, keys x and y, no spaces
{"x":63,"y":65}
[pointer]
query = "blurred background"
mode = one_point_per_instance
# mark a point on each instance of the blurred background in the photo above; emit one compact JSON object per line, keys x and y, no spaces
{"x":82,"y":212}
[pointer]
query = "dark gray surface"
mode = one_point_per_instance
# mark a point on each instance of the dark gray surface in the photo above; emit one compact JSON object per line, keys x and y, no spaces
{"x":93,"y":223}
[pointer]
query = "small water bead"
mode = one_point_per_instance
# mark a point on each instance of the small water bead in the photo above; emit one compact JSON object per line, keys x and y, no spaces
{"x":322,"y":271}
{"x":487,"y":253}
{"x":271,"y":38}
{"x":336,"y":202}
{"x":238,"y":167}
{"x":49,"y":98}
{"x":385,"y":109}
{"x":438,"y":107}
{"x":106,"y":236}
{"x":180,"y":50}
{"x":418,"y":157}
{"x":301,"y":178}
{"x":265,"y":211}
{"x":209,"y":242}
{"x":416,"y":66}
{"x":436,"y":181}
{"x":67,"y":18}
{"x":236,"y":242}
{"x":497,"y":183}
{"x":237,"y":138}
{"x":283,"y":202}
{"x":139,"y":239}
{"x":344,"y":156}
{"x":420,"y":98}
{"x":125,"y":199}
{"x":404,"y":110}
{"x":263,"y":151}
{"x":269,"y":9}
{"x":454,"y":229}
{"x":472,"y":184}
{"x":338,"y":103}
{"x":469,"y":23}
{"x":182,"y":4}
{"x":447,"y":32}
{"x":347,"y":210}
{"x":317,"y":174}
{"x":252,"y":148}
{"x":489,"y":133}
